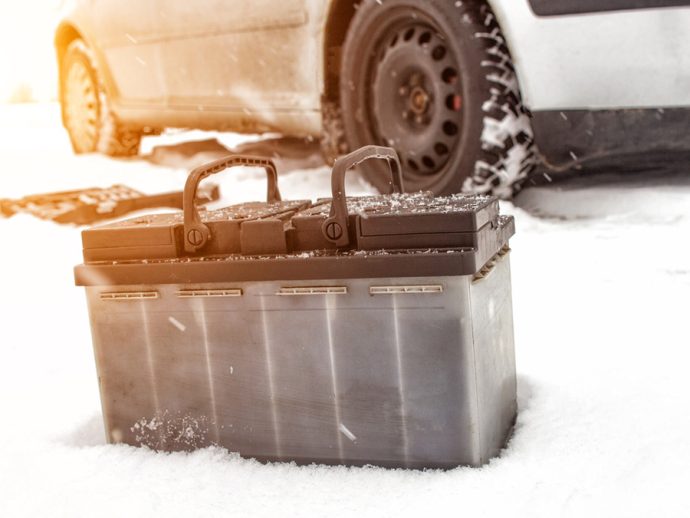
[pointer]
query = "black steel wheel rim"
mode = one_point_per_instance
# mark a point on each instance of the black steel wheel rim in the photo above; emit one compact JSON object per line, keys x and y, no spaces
{"x":413,"y":99}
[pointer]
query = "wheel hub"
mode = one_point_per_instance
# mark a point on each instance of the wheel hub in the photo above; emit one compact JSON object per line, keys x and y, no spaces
{"x":415,"y":100}
{"x":419,"y":100}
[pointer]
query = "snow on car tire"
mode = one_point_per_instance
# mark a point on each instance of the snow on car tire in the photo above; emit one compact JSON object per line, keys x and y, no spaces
{"x":434,"y":80}
{"x":507,"y":138}
{"x":86,"y":113}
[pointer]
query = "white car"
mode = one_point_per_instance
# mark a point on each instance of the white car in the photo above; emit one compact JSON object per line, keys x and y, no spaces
{"x":471,"y":93}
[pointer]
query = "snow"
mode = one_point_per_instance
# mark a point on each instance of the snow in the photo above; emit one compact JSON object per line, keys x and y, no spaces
{"x":601,"y":275}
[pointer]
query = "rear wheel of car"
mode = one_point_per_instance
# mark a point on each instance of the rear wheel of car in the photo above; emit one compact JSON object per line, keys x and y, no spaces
{"x":90,"y":123}
{"x":434,"y":80}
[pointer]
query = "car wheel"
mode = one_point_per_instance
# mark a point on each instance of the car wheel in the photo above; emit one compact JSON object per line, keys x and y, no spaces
{"x":434,"y":80}
{"x":90,"y":123}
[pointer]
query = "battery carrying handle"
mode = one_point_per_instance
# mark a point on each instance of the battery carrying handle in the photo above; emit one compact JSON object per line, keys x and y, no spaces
{"x":196,"y":233}
{"x":335,"y":227}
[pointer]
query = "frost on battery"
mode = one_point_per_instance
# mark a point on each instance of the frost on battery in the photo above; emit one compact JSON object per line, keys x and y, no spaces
{"x":172,"y":431}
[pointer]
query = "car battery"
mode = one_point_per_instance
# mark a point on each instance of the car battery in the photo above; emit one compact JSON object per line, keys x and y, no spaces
{"x":374,"y":330}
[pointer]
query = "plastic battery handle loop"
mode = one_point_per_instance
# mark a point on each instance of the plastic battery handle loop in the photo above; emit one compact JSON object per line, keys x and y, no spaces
{"x":196,"y":234}
{"x":335,"y":227}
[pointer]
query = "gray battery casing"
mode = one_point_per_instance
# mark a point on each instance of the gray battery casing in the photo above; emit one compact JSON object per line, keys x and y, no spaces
{"x":414,"y":372}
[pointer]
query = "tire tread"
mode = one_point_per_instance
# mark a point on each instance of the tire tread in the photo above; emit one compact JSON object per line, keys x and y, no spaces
{"x":113,"y":138}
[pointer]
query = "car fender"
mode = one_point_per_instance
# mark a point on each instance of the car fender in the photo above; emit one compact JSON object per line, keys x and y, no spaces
{"x":78,"y":23}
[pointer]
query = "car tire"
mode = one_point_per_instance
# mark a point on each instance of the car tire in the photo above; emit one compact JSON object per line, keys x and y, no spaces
{"x":434,"y":80}
{"x":86,"y":113}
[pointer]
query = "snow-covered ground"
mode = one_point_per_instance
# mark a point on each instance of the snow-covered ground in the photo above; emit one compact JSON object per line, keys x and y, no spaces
{"x":601,"y":278}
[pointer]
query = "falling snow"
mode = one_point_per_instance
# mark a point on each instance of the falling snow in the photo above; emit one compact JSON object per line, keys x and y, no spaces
{"x":179,"y":325}
{"x":346,"y":432}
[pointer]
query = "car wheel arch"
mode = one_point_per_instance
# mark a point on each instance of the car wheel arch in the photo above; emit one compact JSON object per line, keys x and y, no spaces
{"x":65,"y":34}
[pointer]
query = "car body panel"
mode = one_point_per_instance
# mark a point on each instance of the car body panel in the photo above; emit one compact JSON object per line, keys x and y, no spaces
{"x":248,"y":49}
{"x":262,"y":72}
{"x":123,"y":30}
{"x":603,"y":60}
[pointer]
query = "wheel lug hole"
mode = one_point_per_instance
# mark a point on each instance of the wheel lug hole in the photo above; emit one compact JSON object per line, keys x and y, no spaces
{"x":449,"y":76}
{"x":428,"y":162}
{"x":450,"y":128}
{"x":441,"y":149}
{"x":454,"y":102}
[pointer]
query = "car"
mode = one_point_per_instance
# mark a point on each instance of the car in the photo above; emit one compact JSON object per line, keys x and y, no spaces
{"x":473,"y":94}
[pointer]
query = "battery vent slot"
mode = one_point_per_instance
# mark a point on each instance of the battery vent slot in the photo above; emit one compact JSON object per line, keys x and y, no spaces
{"x":129,"y":295}
{"x":489,"y":266}
{"x":191,"y":294}
{"x":396,"y":290}
{"x":312,"y":290}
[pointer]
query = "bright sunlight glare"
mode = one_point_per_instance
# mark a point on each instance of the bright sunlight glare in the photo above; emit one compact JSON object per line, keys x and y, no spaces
{"x":27,"y":63}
